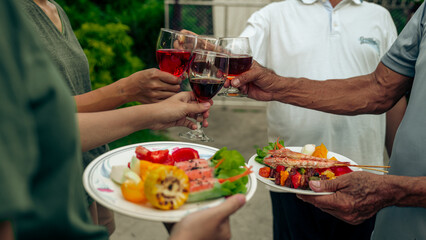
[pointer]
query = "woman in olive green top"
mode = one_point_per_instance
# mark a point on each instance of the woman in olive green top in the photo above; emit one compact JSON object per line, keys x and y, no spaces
{"x":148,"y":86}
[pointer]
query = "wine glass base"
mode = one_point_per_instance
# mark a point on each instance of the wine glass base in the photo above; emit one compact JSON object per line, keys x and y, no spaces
{"x":196,"y":135}
{"x":232,"y":94}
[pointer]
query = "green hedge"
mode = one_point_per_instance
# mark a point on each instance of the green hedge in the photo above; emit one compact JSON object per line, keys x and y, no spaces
{"x":118,"y":37}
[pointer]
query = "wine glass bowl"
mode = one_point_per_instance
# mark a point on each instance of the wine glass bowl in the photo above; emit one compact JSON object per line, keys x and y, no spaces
{"x":208,"y":71}
{"x":206,"y":43}
{"x":240,"y":60}
{"x":174,"y":51}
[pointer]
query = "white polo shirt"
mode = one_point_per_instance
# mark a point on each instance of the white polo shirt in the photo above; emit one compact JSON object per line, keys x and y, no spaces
{"x":311,"y":39}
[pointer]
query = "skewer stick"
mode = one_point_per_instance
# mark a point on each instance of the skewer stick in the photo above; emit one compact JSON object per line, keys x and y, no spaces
{"x":361,"y":166}
{"x":379,"y":170}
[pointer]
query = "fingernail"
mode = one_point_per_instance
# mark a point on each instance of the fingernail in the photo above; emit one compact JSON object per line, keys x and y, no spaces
{"x":206,"y":104}
{"x":236,"y":82}
{"x":315,"y":184}
{"x":241,"y":198}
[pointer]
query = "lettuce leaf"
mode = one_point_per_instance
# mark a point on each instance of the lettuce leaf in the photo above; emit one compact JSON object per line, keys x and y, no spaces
{"x":263,"y":152}
{"x":232,"y":165}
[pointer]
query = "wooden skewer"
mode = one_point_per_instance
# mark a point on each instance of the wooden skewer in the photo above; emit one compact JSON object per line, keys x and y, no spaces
{"x":379,"y":170}
{"x":361,"y":166}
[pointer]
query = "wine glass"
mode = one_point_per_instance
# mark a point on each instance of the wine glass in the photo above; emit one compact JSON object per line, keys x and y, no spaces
{"x":208,"y":71}
{"x":203,"y":43}
{"x":240,"y":60}
{"x":206,"y":43}
{"x":174,"y":50}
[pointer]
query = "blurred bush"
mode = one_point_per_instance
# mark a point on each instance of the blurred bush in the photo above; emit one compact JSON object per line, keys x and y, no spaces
{"x":108,"y":48}
{"x":118,"y":37}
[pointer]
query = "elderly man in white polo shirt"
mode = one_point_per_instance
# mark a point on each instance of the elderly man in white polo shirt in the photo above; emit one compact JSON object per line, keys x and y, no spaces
{"x":322,"y":39}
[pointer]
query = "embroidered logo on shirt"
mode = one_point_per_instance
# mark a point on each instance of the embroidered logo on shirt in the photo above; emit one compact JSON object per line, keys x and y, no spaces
{"x":374,"y":43}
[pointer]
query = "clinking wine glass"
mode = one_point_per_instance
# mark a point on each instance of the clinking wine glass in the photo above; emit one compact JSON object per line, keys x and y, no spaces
{"x":240,"y":60}
{"x":208,"y":71}
{"x":203,"y":43}
{"x":174,"y":51}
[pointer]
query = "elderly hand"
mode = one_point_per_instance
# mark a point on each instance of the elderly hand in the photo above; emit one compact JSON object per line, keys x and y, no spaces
{"x":175,"y":110}
{"x":358,"y":196}
{"x":151,"y":86}
{"x":258,"y":83}
{"x":212,"y":223}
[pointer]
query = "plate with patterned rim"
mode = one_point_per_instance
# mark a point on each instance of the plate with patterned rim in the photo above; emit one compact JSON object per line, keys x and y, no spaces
{"x":102,"y":189}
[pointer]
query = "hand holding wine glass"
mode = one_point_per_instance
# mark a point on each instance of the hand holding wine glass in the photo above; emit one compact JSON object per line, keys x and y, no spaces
{"x":207,"y":74}
{"x":240,"y":60}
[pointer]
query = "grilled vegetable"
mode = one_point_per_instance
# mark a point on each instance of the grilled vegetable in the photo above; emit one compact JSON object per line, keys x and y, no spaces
{"x":167,"y":187}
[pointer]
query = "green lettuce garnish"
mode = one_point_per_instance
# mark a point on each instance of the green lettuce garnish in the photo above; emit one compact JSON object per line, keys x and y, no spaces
{"x":263,"y":152}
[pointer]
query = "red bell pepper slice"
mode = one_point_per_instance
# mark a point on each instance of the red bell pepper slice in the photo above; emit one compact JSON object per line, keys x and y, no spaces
{"x":295,"y":179}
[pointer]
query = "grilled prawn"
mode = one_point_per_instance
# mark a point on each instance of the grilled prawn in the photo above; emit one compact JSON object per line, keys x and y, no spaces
{"x":301,"y":163}
{"x":287,"y":153}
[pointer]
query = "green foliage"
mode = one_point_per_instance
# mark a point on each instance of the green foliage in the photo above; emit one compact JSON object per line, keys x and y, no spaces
{"x":143,"y":17}
{"x":108,"y":48}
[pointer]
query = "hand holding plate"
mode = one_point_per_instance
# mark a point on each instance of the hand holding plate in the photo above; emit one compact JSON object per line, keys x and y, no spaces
{"x":356,"y":196}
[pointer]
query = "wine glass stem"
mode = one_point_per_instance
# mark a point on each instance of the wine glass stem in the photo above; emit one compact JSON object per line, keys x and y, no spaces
{"x":199,"y":125}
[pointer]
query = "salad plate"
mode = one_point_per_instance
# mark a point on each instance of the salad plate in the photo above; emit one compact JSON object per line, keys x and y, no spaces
{"x":271,"y":186}
{"x":102,"y":189}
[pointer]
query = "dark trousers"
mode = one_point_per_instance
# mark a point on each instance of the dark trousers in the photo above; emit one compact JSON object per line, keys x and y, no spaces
{"x":297,"y":220}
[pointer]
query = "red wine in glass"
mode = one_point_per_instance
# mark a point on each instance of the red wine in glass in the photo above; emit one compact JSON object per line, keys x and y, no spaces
{"x":239,"y":64}
{"x":240,"y":60}
{"x":173,"y":61}
{"x":205,"y":88}
{"x":207,"y":73}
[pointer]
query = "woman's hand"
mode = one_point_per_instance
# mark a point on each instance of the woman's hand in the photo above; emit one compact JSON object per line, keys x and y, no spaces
{"x":150,"y":86}
{"x":175,"y":110}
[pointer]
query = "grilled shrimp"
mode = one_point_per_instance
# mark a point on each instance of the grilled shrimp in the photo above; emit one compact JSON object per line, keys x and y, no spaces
{"x":285,"y":152}
{"x":299,"y":163}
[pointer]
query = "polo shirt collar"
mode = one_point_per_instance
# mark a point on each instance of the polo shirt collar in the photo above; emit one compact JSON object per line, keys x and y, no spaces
{"x":357,"y":2}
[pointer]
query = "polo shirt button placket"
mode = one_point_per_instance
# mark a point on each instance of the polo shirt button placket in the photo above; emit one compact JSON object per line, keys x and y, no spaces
{"x":335,"y":26}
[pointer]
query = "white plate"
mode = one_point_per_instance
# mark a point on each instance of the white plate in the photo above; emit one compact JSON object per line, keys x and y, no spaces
{"x":102,"y":189}
{"x":270,"y":185}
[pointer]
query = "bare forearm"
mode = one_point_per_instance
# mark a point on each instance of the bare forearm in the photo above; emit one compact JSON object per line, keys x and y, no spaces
{"x":99,"y":128}
{"x":371,"y":93}
{"x":102,"y":99}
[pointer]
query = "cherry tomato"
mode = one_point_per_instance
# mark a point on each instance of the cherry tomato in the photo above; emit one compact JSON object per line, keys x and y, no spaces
{"x":159,"y":156}
{"x":170,"y":161}
{"x":280,"y":168}
{"x":264,"y":172}
{"x":295,"y":179}
{"x":338,"y":171}
{"x":185,"y":154}
{"x":142,"y":153}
